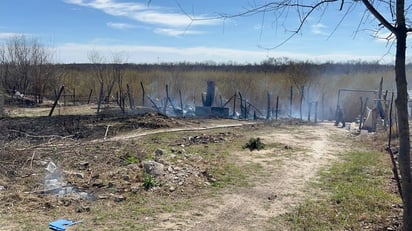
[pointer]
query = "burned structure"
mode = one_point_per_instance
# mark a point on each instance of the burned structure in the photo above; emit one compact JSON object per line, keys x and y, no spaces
{"x":208,"y":109}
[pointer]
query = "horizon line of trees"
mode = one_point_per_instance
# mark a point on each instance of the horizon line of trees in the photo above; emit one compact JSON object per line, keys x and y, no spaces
{"x":267,"y":66}
{"x":27,"y":66}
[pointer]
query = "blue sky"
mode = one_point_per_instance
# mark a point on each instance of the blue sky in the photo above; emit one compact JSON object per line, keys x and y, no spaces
{"x":164,"y":31}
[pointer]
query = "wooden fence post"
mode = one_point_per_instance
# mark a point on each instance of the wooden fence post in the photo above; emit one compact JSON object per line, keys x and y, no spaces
{"x":268,"y":107}
{"x":277,"y":107}
{"x":291,"y":102}
{"x":143,"y":93}
{"x":90,"y":95}
{"x":57,"y":100}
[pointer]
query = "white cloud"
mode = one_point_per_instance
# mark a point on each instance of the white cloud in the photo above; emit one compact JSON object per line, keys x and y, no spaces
{"x":9,"y":35}
{"x":176,"y":32}
{"x":120,"y":26}
{"x":319,"y":29}
{"x":143,"y":13}
{"x":77,"y":53}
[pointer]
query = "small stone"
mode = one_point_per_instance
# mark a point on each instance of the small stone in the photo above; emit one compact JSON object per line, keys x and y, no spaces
{"x":83,"y":209}
{"x":159,"y":152}
{"x":153,"y":168}
{"x":110,"y":185}
{"x":40,"y":163}
{"x":118,"y":198}
{"x":2,"y":188}
{"x":172,"y":189}
{"x":134,"y":188}
{"x":82,"y":165}
{"x":102,"y":197}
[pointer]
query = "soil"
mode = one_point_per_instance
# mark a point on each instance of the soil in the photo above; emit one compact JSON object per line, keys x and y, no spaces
{"x":250,"y":208}
{"x":94,"y":156}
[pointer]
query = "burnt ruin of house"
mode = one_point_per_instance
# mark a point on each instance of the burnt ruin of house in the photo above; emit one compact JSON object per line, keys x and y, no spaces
{"x":208,"y":109}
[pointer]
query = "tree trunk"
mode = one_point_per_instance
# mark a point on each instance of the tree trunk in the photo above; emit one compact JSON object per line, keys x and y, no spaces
{"x":404,"y":142}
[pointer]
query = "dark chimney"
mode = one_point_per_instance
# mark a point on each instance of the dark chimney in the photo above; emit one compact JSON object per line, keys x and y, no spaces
{"x":210,"y":94}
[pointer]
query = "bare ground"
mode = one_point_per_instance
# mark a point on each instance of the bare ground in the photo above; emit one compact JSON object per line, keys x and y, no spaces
{"x":274,"y":193}
{"x":294,"y":154}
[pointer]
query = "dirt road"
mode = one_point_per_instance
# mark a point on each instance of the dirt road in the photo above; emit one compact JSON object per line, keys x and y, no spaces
{"x":279,"y":185}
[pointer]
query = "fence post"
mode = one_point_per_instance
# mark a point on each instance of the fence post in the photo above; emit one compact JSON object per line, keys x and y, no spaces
{"x":57,"y":100}
{"x":277,"y":107}
{"x":90,"y":95}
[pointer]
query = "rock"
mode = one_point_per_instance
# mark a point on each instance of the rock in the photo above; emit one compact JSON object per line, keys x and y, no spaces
{"x":126,"y":177}
{"x":83,"y":209}
{"x":110,"y":185}
{"x":170,"y":169}
{"x":159,"y":152}
{"x":82,"y":165}
{"x":134,"y":188}
{"x":153,"y":168}
{"x":118,"y":198}
{"x":172,"y":189}
{"x":2,"y":188}
{"x":40,"y":163}
{"x":102,"y":197}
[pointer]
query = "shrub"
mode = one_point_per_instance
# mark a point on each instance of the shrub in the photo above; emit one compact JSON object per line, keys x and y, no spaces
{"x":149,"y":182}
{"x":254,"y":144}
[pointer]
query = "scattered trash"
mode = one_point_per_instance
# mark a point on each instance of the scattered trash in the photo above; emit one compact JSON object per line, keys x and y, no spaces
{"x":53,"y":181}
{"x":62,"y":224}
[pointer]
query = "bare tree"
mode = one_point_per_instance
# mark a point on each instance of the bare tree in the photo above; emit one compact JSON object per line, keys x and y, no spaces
{"x":26,"y":66}
{"x":299,"y":75}
{"x":102,"y":74}
{"x":117,"y":75}
{"x":389,"y":15}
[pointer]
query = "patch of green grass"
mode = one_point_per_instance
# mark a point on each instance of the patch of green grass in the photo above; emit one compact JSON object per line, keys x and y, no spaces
{"x":228,"y":174}
{"x":353,"y":193}
{"x":149,"y":182}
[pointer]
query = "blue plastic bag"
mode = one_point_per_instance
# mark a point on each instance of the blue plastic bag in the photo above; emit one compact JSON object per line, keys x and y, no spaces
{"x":61,"y":224}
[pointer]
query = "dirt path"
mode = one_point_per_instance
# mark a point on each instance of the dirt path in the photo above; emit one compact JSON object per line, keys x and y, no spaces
{"x":276,"y":191}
